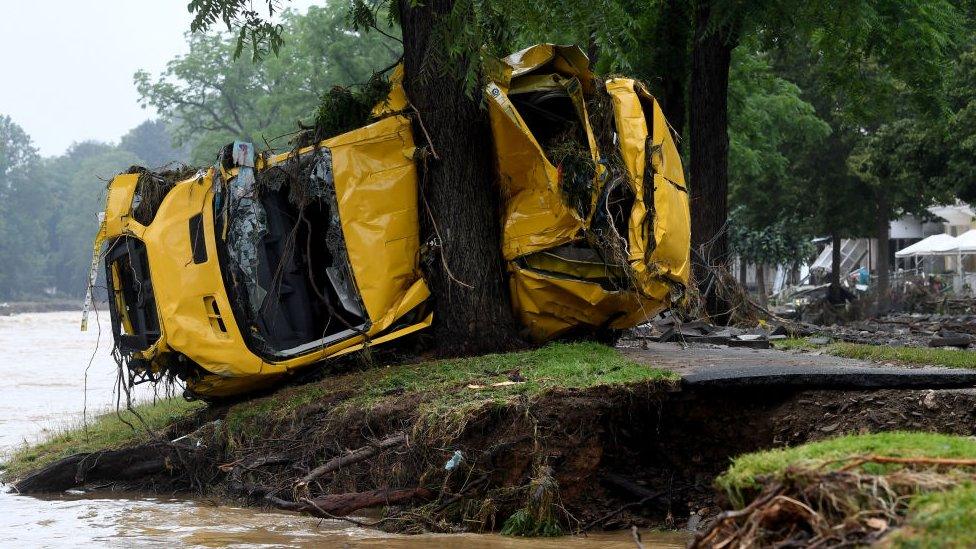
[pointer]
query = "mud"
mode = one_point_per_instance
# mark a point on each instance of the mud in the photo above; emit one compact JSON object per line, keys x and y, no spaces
{"x":642,"y":454}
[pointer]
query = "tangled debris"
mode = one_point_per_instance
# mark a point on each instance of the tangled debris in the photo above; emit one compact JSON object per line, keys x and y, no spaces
{"x":152,"y":187}
{"x":907,"y":330}
{"x":343,"y":109}
{"x":845,"y":507}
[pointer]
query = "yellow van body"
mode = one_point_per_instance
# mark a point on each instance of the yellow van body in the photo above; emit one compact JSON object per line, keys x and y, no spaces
{"x":376,"y":190}
{"x":189,"y":322}
{"x":553,"y":293}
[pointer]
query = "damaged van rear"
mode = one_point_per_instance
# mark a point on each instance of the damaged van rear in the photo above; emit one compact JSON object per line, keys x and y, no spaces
{"x":231,"y":277}
{"x":235,"y":275}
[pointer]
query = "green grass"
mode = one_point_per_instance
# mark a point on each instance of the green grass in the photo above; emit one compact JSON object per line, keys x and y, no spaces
{"x":934,"y":519}
{"x":103,"y":432}
{"x":749,"y":471}
{"x":940,"y":519}
{"x":951,"y":358}
{"x":443,"y":384}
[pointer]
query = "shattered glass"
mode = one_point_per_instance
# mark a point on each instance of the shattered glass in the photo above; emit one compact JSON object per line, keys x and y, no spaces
{"x":323,"y":184}
{"x":247,"y":227}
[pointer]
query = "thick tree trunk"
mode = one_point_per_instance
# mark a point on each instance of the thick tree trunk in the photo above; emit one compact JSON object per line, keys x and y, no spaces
{"x":761,"y":283}
{"x":834,"y":295}
{"x":708,"y":128}
{"x":882,"y":227}
{"x":743,"y":278}
{"x":667,"y":52}
{"x":459,"y":198}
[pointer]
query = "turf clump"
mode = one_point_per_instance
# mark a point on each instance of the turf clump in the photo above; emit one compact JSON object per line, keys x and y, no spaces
{"x":457,"y":386}
{"x":851,"y":490}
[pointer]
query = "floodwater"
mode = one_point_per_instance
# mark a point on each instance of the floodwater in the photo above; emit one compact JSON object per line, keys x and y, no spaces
{"x":43,"y":360}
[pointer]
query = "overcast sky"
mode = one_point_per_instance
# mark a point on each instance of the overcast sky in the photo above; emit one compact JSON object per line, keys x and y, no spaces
{"x":68,"y":64}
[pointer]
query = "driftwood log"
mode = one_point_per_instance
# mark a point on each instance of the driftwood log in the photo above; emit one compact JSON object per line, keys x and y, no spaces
{"x":160,"y":459}
{"x":339,"y":505}
{"x":355,"y":456}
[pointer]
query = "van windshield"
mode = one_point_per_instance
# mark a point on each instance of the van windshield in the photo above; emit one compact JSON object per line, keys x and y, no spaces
{"x":284,"y":258}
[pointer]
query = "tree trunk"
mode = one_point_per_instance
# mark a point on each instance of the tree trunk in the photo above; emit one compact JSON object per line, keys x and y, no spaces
{"x":667,"y":69}
{"x":743,"y":277}
{"x":882,"y":227}
{"x":459,"y":197}
{"x":708,"y":124}
{"x":761,"y":283}
{"x":834,"y":294}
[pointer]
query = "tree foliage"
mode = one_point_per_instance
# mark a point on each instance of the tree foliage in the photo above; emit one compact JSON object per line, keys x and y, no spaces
{"x":779,"y":243}
{"x":19,"y":195}
{"x":49,"y":206}
{"x":211,"y":97}
{"x":959,"y":134}
{"x":768,"y":122}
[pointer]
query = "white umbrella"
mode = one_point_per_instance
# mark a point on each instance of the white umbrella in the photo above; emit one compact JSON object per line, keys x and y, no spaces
{"x":966,"y":242}
{"x":937,"y":244}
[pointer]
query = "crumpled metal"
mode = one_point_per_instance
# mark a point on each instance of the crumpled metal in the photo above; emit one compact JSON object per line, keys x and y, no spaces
{"x":248,"y":225}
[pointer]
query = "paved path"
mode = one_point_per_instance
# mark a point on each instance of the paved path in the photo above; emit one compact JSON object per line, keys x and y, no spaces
{"x":717,"y":367}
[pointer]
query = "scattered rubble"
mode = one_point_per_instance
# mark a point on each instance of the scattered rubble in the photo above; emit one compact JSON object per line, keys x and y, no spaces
{"x":907,"y":330}
{"x":668,"y":328}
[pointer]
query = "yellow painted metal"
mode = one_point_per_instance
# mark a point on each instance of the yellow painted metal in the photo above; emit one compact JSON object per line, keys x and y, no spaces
{"x":551,"y":294}
{"x":376,"y":187}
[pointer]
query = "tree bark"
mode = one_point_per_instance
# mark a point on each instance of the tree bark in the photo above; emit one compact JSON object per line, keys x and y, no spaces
{"x":834,"y":294}
{"x":743,"y":276}
{"x":338,"y":505}
{"x":711,"y":58}
{"x":459,"y":196}
{"x":761,"y":283}
{"x":355,"y":456}
{"x":667,"y":67}
{"x":882,"y":227}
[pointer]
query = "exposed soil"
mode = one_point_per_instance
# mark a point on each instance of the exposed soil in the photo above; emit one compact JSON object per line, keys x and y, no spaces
{"x":642,"y":454}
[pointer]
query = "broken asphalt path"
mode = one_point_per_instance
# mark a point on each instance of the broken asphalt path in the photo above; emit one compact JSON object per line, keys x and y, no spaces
{"x":708,"y":366}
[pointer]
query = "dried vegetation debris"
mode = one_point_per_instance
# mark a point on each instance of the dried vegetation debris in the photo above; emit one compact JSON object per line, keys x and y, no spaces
{"x":846,"y":491}
{"x":152,"y":187}
{"x":815,"y":508}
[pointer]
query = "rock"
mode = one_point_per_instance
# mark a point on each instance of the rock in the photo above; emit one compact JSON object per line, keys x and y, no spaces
{"x":951,"y":339}
{"x":929,"y":401}
{"x":818,"y":340}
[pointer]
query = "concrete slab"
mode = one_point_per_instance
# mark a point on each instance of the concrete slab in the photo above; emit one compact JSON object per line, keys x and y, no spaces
{"x":710,"y":366}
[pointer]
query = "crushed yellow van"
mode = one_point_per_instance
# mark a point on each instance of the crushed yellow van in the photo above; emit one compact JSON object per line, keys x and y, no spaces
{"x":233,"y":276}
{"x":596,"y":225}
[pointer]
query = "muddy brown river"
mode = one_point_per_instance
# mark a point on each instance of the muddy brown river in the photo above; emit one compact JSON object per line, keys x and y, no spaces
{"x":43,"y":358}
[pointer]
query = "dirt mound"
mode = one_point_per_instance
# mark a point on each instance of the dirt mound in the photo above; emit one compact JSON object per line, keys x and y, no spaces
{"x":560,"y":461}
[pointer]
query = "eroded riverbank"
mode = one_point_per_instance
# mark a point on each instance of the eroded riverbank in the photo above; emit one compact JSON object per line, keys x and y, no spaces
{"x":449,"y":447}
{"x":43,"y":366}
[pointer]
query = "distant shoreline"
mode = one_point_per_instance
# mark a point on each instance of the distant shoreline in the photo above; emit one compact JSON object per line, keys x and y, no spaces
{"x":9,"y":308}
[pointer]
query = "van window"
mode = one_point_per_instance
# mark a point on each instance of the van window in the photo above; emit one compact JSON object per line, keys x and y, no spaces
{"x":132,"y":303}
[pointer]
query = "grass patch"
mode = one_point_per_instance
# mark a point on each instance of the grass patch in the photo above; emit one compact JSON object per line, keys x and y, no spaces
{"x":950,"y":358}
{"x":749,"y":471}
{"x":443,"y":384}
{"x":937,"y":505}
{"x":104,"y":432}
{"x":940,"y":519}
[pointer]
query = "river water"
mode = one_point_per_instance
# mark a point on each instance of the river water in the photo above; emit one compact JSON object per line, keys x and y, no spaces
{"x":43,"y":361}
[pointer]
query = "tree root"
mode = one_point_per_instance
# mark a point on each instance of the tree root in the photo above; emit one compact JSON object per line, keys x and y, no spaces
{"x":301,"y":486}
{"x":336,"y":506}
{"x":161,"y":459}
